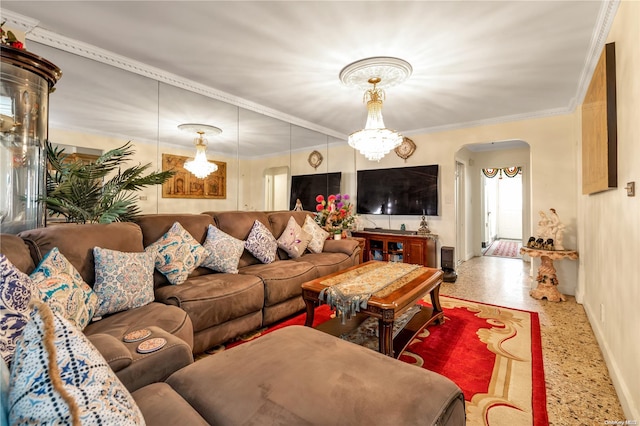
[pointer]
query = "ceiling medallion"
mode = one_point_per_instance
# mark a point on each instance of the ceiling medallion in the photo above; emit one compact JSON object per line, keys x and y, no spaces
{"x":405,"y":149}
{"x":391,"y":71}
{"x":315,"y":159}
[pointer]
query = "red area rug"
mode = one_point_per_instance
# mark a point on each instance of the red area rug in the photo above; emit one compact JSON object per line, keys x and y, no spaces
{"x":505,"y":248}
{"x":493,"y":353}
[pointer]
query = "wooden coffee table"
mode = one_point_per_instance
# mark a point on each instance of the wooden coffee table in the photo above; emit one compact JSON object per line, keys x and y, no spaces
{"x":386,"y":305}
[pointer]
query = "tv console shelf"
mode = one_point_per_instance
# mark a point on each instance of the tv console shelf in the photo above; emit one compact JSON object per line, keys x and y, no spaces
{"x":399,"y":246}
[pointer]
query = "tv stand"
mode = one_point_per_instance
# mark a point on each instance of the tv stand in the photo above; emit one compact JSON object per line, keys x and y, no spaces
{"x":399,"y":246}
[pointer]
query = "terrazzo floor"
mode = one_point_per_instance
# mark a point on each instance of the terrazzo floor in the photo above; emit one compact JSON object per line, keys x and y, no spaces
{"x":579,"y":389}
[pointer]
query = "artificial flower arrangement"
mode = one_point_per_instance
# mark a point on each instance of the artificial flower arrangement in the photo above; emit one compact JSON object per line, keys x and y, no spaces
{"x":335,"y":214}
{"x":9,"y":39}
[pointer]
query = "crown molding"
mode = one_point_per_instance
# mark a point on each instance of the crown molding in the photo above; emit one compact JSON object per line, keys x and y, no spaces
{"x":17,"y":21}
{"x":598,"y":39}
{"x":490,"y":121}
{"x":40,"y":35}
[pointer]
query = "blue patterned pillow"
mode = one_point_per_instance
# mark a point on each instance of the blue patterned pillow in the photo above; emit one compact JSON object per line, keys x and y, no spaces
{"x":93,"y":394}
{"x":16,"y":290}
{"x":261,"y":243}
{"x":224,"y":251}
{"x":62,"y":287}
{"x":293,"y":239}
{"x":123,"y":280}
{"x":177,"y":254}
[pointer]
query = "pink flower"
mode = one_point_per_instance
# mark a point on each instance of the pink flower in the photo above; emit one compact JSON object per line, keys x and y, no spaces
{"x":319,"y":207}
{"x":320,"y":198}
{"x":332,"y":198}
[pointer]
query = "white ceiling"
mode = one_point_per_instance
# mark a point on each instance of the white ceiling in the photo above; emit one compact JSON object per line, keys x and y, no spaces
{"x":474,"y":62}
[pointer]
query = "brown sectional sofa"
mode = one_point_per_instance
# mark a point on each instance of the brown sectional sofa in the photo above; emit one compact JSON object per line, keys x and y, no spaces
{"x":296,"y":375}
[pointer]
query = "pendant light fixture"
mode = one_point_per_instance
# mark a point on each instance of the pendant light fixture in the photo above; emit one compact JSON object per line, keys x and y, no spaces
{"x":199,"y":165}
{"x":375,"y":140}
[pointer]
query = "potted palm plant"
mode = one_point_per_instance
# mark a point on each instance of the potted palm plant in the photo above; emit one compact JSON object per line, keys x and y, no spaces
{"x":98,"y":191}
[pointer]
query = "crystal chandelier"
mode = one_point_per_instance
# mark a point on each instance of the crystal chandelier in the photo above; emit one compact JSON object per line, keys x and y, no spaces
{"x":374,"y":141}
{"x":199,"y":165}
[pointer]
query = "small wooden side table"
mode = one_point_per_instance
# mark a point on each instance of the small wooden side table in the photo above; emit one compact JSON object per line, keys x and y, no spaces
{"x":547,"y":279}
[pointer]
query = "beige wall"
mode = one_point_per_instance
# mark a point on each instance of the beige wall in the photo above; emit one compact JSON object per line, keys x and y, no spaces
{"x":609,"y":224}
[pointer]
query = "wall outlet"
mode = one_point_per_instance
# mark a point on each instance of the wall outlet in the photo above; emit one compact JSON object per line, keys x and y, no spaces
{"x":631,"y":189}
{"x":602,"y":313}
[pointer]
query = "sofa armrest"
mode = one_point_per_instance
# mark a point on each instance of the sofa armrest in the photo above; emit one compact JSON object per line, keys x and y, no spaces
{"x":340,"y":246}
{"x":116,"y":353}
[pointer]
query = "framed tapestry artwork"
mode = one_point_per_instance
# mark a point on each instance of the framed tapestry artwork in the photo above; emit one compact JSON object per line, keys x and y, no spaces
{"x":185,"y":185}
{"x":599,"y":127}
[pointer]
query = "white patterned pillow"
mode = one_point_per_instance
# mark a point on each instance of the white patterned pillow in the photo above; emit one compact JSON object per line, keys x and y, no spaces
{"x":62,"y":287}
{"x":318,"y":235}
{"x":261,"y":243}
{"x":224,"y":251}
{"x":16,"y":290}
{"x":177,"y":254}
{"x":78,"y":385}
{"x":294,"y":240}
{"x":123,"y":280}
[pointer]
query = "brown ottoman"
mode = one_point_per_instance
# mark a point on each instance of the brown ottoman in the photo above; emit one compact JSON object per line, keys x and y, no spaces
{"x":298,"y":375}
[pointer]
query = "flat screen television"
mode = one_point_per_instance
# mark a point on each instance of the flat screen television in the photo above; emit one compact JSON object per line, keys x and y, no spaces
{"x":398,"y":191}
{"x":307,"y":187}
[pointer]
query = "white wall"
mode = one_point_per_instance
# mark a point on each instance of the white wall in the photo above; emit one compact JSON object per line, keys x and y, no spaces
{"x":609,"y":225}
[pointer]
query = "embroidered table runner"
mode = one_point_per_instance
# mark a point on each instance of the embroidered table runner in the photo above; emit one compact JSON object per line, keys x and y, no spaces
{"x":349,"y":292}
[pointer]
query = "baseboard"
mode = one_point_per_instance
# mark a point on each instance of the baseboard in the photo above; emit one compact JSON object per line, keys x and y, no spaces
{"x":629,"y":407}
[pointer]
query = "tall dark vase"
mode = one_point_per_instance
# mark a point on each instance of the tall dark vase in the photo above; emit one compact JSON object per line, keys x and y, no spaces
{"x":25,"y":82}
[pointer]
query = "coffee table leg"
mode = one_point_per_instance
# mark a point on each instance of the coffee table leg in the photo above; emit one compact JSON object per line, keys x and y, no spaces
{"x":435,"y":302}
{"x":385,"y":337}
{"x":311,"y":310}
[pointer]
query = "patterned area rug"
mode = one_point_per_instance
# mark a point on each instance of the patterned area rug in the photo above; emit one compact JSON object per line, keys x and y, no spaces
{"x":493,"y":353}
{"x":505,"y":248}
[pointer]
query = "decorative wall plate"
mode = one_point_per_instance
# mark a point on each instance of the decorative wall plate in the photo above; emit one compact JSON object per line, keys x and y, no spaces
{"x":315,"y":159}
{"x":405,"y":149}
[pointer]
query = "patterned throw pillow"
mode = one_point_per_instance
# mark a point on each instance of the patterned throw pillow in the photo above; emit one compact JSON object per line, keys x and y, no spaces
{"x":177,"y":254}
{"x":318,"y":235}
{"x":294,"y":240}
{"x":224,"y":251}
{"x":62,"y":287}
{"x":16,"y":290}
{"x":261,"y":243}
{"x":123,"y":280}
{"x":77,"y":385}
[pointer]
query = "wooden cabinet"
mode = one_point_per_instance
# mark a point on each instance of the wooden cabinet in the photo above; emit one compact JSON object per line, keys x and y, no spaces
{"x":407,"y":248}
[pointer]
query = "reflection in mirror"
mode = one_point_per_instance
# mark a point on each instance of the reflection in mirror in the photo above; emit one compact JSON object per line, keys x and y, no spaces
{"x":186,"y":193}
{"x":97,"y":107}
{"x":264,"y":145}
{"x":309,"y":149}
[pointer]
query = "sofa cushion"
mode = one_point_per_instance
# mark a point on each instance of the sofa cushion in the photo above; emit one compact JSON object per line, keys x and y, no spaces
{"x":77,"y":385}
{"x":76,"y":242}
{"x":4,"y":393}
{"x":161,"y":405}
{"x":123,"y":280}
{"x":177,"y":254}
{"x":318,"y":235}
{"x":17,"y":252}
{"x":224,"y":251}
{"x":327,"y":263}
{"x":261,"y":243}
{"x":283,"y":279}
{"x":215,"y":298}
{"x":294,"y":240}
{"x":16,"y":291}
{"x":62,"y":287}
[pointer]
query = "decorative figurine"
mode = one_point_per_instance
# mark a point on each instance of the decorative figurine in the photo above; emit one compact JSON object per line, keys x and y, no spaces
{"x":424,"y":228}
{"x":298,"y":207}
